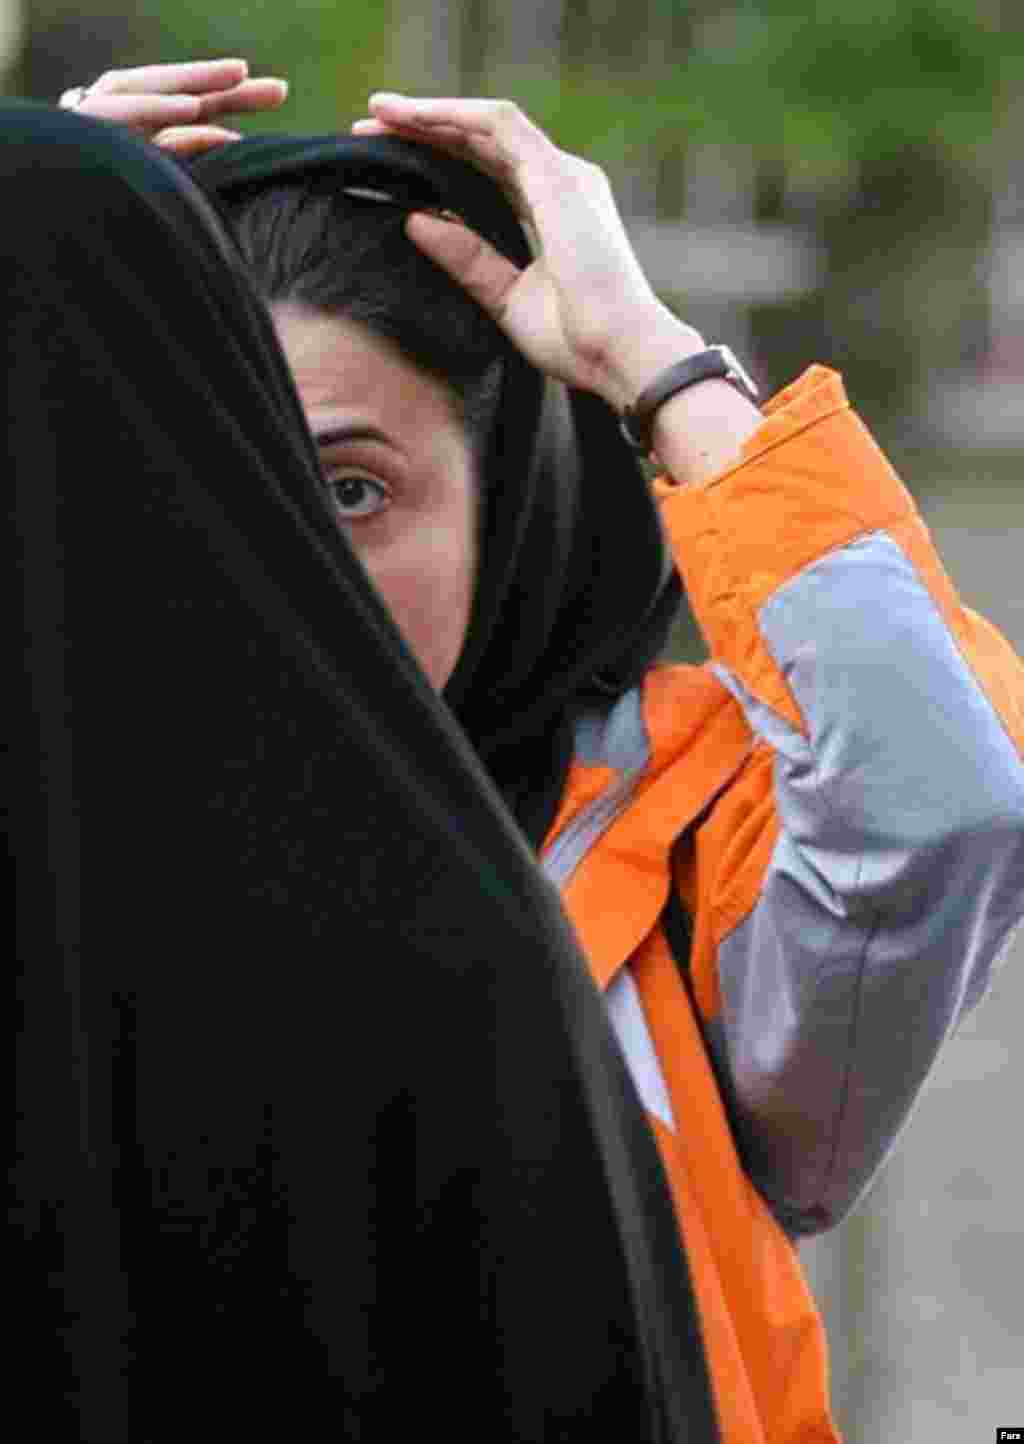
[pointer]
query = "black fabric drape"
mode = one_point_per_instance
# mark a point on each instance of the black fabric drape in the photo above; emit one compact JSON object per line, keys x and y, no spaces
{"x":576,"y":589}
{"x":319,"y":1119}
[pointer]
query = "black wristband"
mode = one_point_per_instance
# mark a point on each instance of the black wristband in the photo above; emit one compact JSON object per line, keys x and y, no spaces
{"x":716,"y":363}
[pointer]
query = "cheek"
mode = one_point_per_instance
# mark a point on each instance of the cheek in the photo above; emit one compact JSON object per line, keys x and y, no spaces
{"x":426,"y":580}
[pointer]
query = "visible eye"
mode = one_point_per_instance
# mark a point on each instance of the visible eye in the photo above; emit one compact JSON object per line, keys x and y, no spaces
{"x":356,"y":496}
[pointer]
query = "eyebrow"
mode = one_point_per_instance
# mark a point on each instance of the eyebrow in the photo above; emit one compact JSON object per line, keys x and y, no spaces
{"x":330,"y":435}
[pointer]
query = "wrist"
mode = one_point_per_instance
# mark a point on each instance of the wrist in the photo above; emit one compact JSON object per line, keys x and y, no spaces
{"x":653,"y":341}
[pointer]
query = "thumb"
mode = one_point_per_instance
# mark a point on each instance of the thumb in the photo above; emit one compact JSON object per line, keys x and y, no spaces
{"x":483,"y":272}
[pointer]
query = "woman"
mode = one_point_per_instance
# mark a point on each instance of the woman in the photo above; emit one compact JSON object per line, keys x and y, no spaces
{"x":792,"y":869}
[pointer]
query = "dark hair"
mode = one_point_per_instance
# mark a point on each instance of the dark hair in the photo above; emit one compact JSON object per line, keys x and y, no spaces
{"x":305,"y":241}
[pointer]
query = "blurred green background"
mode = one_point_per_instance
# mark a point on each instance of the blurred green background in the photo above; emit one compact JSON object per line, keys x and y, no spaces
{"x":841,"y":182}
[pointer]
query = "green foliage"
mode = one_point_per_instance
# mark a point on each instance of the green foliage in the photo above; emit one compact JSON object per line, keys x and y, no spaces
{"x":332,"y":54}
{"x":831,"y":83}
{"x":819,"y":88}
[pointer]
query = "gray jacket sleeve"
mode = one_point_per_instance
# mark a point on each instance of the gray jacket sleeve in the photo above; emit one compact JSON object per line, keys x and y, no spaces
{"x":893,"y":889}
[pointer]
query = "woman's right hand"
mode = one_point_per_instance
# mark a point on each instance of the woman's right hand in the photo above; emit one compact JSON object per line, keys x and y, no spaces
{"x":173,"y":105}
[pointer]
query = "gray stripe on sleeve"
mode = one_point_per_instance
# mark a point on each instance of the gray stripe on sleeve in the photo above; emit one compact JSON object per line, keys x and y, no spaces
{"x":897,"y":879}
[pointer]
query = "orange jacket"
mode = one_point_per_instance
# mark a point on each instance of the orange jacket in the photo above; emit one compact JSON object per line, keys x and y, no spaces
{"x":837,"y":797}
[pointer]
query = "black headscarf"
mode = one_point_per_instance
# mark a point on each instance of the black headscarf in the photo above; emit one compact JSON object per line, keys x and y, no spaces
{"x":575,"y":591}
{"x":320,"y":1124}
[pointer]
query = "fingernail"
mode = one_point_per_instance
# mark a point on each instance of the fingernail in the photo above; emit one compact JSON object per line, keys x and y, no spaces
{"x":384,"y":97}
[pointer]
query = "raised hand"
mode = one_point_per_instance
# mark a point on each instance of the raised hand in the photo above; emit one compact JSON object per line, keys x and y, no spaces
{"x":583,"y":311}
{"x":173,"y":105}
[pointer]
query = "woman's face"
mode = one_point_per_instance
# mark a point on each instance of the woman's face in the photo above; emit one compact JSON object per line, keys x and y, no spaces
{"x":399,"y":471}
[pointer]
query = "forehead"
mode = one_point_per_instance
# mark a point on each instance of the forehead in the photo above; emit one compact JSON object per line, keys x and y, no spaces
{"x":338,"y":364}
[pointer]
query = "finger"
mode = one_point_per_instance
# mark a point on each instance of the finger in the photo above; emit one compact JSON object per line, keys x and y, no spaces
{"x":483,"y":272}
{"x":144,"y":113}
{"x":267,"y":93}
{"x":193,"y":77}
{"x":189,"y":140}
{"x":500,"y":121}
{"x":442,"y":137}
{"x":447,"y":133}
{"x":464,"y":114}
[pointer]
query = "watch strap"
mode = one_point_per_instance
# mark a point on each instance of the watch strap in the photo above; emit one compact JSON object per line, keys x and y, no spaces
{"x":716,"y":363}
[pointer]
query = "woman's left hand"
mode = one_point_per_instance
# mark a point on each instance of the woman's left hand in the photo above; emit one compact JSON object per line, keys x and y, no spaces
{"x":583,"y":311}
